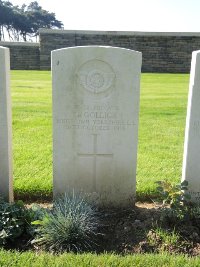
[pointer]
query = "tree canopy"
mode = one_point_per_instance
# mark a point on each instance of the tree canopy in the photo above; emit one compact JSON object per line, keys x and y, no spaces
{"x":21,"y":23}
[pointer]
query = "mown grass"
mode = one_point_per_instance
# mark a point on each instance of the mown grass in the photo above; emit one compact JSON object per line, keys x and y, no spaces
{"x":31,"y":259}
{"x":32,"y":132}
{"x":161,"y":131}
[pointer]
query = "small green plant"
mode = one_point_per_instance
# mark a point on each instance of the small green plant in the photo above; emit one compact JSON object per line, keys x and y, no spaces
{"x":35,"y":213}
{"x":71,"y":225}
{"x":14,"y":219}
{"x":162,"y":239}
{"x":173,"y":194}
{"x":175,"y":202}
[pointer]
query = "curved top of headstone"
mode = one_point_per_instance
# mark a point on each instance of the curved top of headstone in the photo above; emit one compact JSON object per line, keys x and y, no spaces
{"x":2,"y":47}
{"x":101,"y":47}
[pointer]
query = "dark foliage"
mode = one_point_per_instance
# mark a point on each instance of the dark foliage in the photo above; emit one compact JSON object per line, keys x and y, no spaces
{"x":14,"y":221}
{"x":24,"y":22}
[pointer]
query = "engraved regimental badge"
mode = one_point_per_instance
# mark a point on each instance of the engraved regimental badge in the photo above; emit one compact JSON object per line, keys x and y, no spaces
{"x":96,"y":76}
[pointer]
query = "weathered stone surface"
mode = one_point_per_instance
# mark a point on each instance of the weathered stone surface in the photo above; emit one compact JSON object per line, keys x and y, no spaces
{"x":6,"y":182}
{"x":191,"y":160}
{"x":95,"y":122}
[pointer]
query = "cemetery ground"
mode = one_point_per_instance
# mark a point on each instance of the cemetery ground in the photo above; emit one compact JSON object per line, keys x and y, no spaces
{"x":161,"y":136}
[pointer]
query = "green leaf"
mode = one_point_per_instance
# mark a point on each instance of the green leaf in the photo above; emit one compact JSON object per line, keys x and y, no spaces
{"x":184,"y":188}
{"x":159,"y":188}
{"x":37,"y":222}
{"x":184,"y":183}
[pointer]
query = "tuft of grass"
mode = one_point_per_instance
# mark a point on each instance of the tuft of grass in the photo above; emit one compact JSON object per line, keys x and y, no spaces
{"x":163,"y":239}
{"x":71,"y":225}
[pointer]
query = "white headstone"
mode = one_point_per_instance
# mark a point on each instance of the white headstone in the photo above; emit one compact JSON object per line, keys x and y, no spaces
{"x":6,"y":181}
{"x":95,"y":122}
{"x":191,"y":159}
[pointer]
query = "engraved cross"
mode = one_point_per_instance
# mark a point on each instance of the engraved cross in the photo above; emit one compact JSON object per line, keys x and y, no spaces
{"x":95,"y":155}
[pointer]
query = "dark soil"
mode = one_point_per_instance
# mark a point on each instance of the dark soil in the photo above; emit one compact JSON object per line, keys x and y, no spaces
{"x":134,"y":231}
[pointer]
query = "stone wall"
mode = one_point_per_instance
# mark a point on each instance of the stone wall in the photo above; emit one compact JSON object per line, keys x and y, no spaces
{"x":23,"y":56}
{"x":162,"y":52}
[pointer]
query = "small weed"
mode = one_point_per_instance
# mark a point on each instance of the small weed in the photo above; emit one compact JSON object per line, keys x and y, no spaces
{"x":176,"y":202}
{"x":173,"y":194}
{"x":162,"y":239}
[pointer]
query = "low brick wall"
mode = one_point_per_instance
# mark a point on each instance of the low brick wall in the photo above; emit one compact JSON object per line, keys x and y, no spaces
{"x":162,"y":52}
{"x":23,"y":56}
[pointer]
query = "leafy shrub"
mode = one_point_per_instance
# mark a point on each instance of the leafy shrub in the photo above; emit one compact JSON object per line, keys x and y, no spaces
{"x":176,"y":205}
{"x":14,"y":218}
{"x":71,"y":225}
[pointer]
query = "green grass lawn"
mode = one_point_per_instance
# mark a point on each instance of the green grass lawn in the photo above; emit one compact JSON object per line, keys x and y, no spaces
{"x":32,"y":132}
{"x":163,"y":108}
{"x":161,"y":131}
{"x":30,"y":259}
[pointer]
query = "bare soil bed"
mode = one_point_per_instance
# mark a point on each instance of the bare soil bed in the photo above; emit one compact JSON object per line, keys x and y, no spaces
{"x":134,"y":231}
{"x":128,"y":231}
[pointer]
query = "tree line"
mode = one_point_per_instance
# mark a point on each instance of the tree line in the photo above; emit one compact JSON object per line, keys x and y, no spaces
{"x":22,"y":23}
